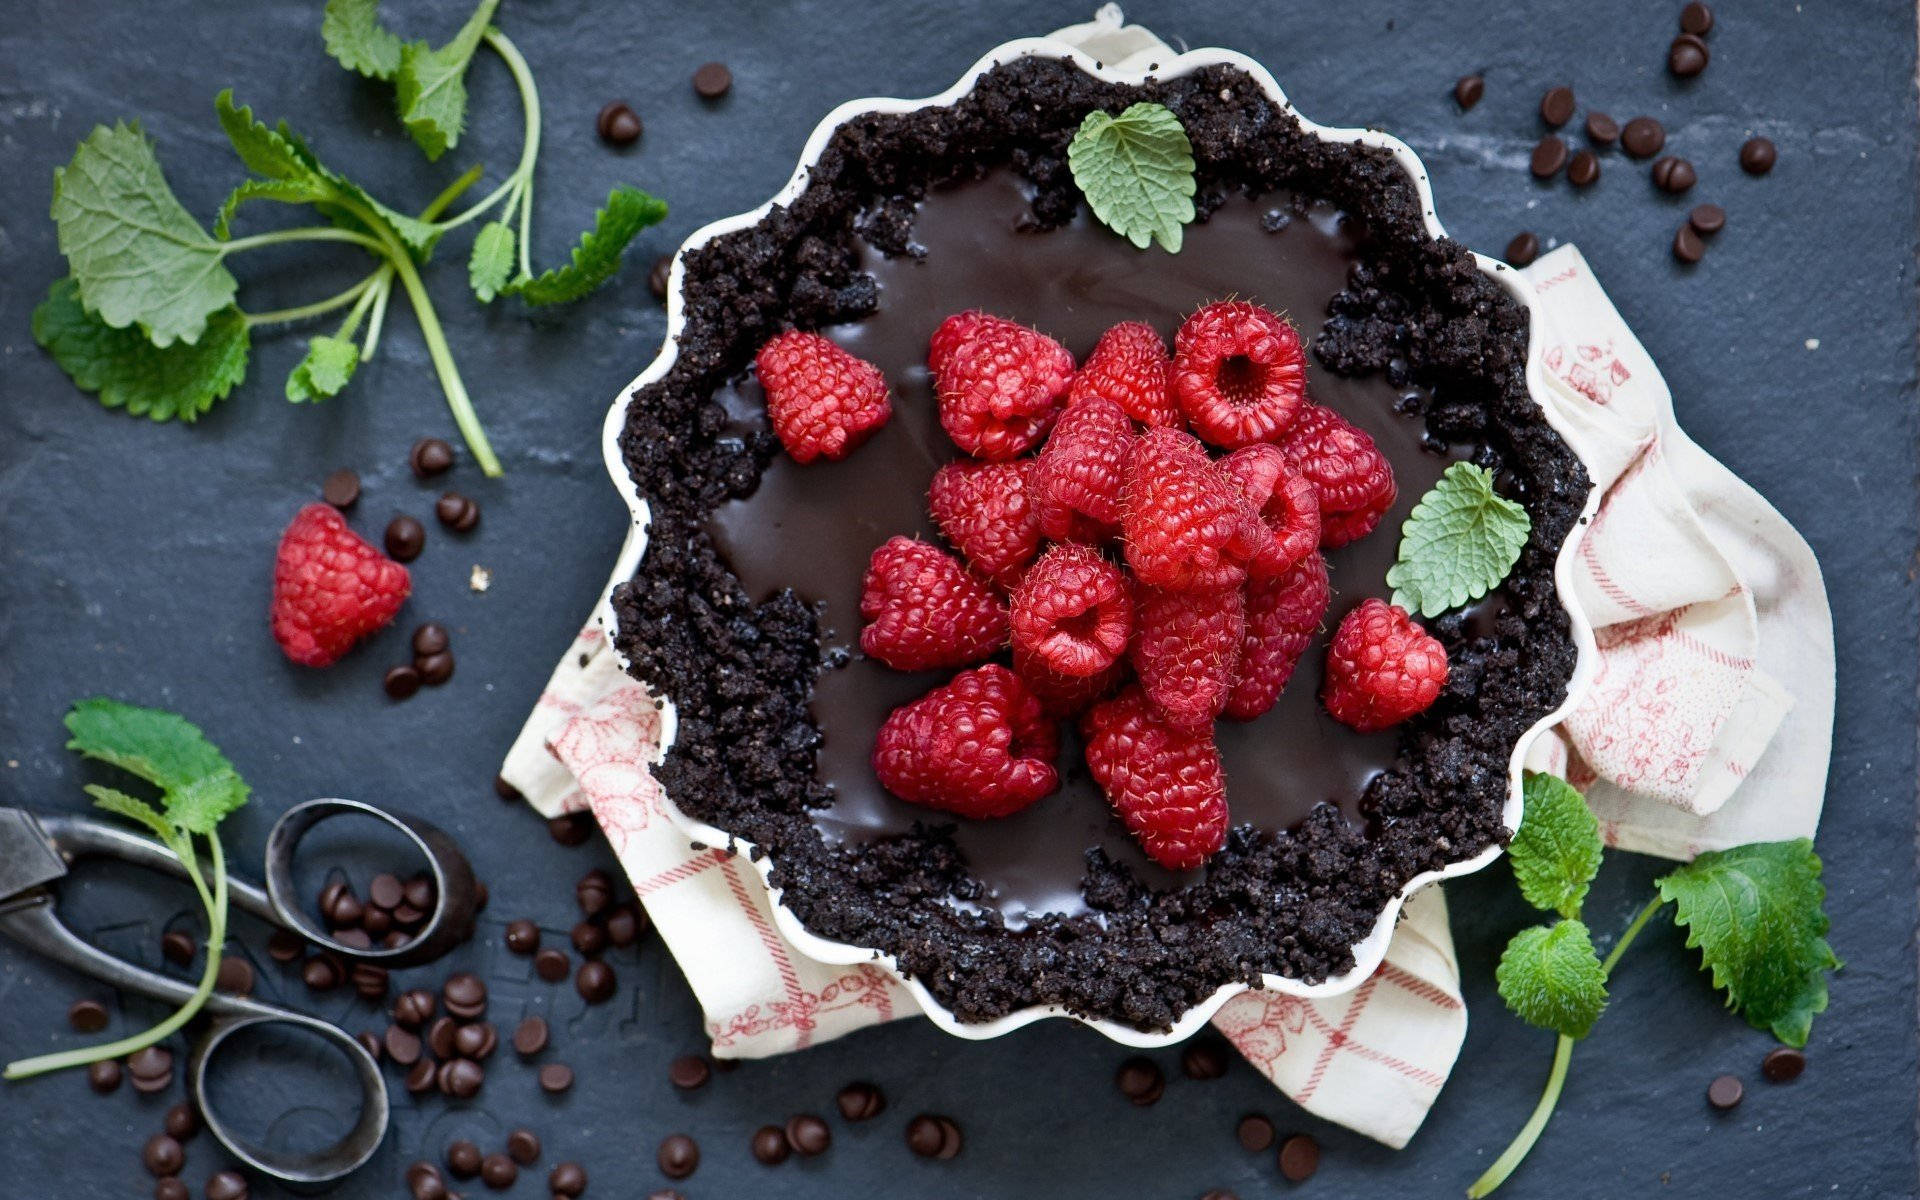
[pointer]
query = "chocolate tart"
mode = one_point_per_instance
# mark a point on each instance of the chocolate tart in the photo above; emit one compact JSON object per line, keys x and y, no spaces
{"x":736,"y":601}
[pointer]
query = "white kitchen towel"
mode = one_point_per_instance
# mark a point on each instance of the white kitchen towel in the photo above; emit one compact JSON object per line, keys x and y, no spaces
{"x":1708,"y":724}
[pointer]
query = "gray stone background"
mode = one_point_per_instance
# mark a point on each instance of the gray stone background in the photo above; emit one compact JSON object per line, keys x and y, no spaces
{"x":134,"y":560}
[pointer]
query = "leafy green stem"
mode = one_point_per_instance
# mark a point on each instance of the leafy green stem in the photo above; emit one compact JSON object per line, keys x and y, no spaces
{"x":1529,"y":1133}
{"x":301,"y":312}
{"x":464,"y":417}
{"x":529,"y":143}
{"x":382,"y":291}
{"x":1631,"y":932}
{"x":305,"y":233}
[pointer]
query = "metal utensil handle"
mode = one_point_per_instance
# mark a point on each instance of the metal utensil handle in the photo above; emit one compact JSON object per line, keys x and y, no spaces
{"x":78,"y":836}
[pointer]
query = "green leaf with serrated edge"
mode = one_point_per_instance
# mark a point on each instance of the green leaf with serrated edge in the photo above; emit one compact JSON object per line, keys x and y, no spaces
{"x":198,"y":785}
{"x":1458,"y":543}
{"x":133,"y":808}
{"x":1136,"y":171}
{"x":628,"y":211}
{"x":1556,"y":852}
{"x":1755,"y":914}
{"x":491,"y":261}
{"x":1550,"y":978}
{"x":284,"y":191}
{"x":128,"y":371}
{"x":328,"y":365}
{"x":138,"y":257}
{"x":431,"y":85}
{"x":357,"y":40}
{"x":204,"y":803}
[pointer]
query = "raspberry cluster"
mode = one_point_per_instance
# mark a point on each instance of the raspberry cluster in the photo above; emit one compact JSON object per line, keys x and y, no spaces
{"x":1136,"y":546}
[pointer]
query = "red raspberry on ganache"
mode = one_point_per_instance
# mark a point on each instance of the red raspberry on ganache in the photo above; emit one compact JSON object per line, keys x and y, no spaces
{"x":1073,"y":612}
{"x":1183,"y":525}
{"x":330,"y":587}
{"x":1381,"y":668}
{"x":1129,"y":366}
{"x":1077,"y":478}
{"x":1239,"y":373}
{"x":1353,"y":478}
{"x":1286,"y":502}
{"x":1067,"y":696}
{"x":987,"y":511}
{"x":1283,"y":614}
{"x":1165,"y":782}
{"x":1000,"y":385}
{"x":978,"y":747}
{"x":925,"y":610}
{"x":1185,"y":648}
{"x":821,"y":400}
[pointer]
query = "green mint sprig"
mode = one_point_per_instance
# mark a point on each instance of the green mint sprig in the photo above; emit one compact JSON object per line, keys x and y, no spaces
{"x":1137,"y":173}
{"x":198,"y":788}
{"x":1458,"y":543}
{"x":1753,"y":911}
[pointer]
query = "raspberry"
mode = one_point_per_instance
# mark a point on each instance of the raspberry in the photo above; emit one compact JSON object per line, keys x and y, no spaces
{"x":1239,"y":373}
{"x":987,"y":511}
{"x":1354,"y":479}
{"x":1283,"y":614}
{"x":1185,"y":647}
{"x":1381,"y":668}
{"x":960,"y":328}
{"x":925,"y":609}
{"x":978,"y":747}
{"x":1001,"y":385}
{"x":1072,"y":612}
{"x":1286,"y":502}
{"x":1078,"y":476}
{"x":1183,"y":526}
{"x":822,"y":401}
{"x":330,"y":588}
{"x":1165,"y":782}
{"x":1065,"y":696}
{"x":1129,"y":367}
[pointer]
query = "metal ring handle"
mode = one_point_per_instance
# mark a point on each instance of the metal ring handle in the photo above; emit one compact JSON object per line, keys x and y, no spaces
{"x":305,"y":1170}
{"x":455,"y":894}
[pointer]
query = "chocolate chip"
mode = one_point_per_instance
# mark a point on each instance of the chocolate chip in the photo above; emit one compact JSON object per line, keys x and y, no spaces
{"x":1696,"y":18}
{"x":1556,"y":107}
{"x":679,"y":1156}
{"x":530,"y":1036}
{"x":409,"y":915}
{"x":556,"y":1077}
{"x":1757,"y":156}
{"x":171,"y":1188}
{"x":285,"y":946}
{"x":1783,"y":1064}
{"x":425,"y":1183}
{"x":406,"y":537}
{"x":489,"y":1041}
{"x":588,"y":938}
{"x":571,"y":829}
{"x":1549,"y":155}
{"x":469,"y":1040}
{"x":624,"y":925}
{"x":354,"y":939}
{"x":498,"y":1172}
{"x":769,"y":1145}
{"x":420,"y":891}
{"x":931,"y":1136}
{"x":420,"y":1076}
{"x":461,"y":1078}
{"x":414,"y":1008}
{"x":346,"y":909}
{"x":860,"y":1101}
{"x":595,"y":982}
{"x":1707,"y":219}
{"x":1673,"y":174}
{"x":435,"y":669}
{"x":1583,"y":169}
{"x":234,"y":976}
{"x":712,"y":81}
{"x":430,"y":638}
{"x":439,"y":1037}
{"x":1255,"y":1132}
{"x":371,"y":1043}
{"x":87,"y":1016}
{"x":1140,"y":1080}
{"x":163,"y":1155}
{"x":403,"y":1045}
{"x":523,"y":936}
{"x":227,"y":1185}
{"x":151,"y":1085}
{"x":1642,"y":137}
{"x":659,"y":276}
{"x":1203,"y":1059}
{"x":567,"y":1179}
{"x":523,"y":1146}
{"x":809,"y":1135}
{"x":1687,"y":246}
{"x":103,"y":1076}
{"x":464,"y":994}
{"x":181,"y":1122}
{"x":552,"y":965}
{"x":1299,"y":1158}
{"x":463,"y":1159}
{"x":1602,"y":130}
{"x":341,"y":489}
{"x":1725,"y":1092}
{"x":429,"y":457}
{"x":456,"y":512}
{"x":618,"y":124}
{"x":689,"y":1071}
{"x":1687,"y":56}
{"x":594,"y":892}
{"x":320,"y":974}
{"x":1467,"y":91}
{"x":150,"y":1062}
{"x":178,"y":948}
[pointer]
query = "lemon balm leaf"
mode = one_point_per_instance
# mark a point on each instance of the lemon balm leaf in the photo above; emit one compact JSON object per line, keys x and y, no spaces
{"x":1550,"y":978}
{"x":1556,"y":852}
{"x":597,"y":256}
{"x":491,"y":261}
{"x":127,"y":371}
{"x":1136,"y":171}
{"x":357,"y":40}
{"x":431,"y":86}
{"x":1458,"y":543}
{"x":327,"y":366}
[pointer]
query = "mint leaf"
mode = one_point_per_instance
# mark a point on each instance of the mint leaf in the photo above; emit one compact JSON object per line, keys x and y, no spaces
{"x":328,"y":365}
{"x":431,"y":86}
{"x":1755,"y":913}
{"x":163,"y":748}
{"x":1549,"y":977}
{"x":357,"y":40}
{"x":491,"y":261}
{"x":1458,"y":543}
{"x":628,"y":211}
{"x":133,"y":808}
{"x":136,"y":255}
{"x":283,"y":191}
{"x":130,"y":372}
{"x":202,"y":804}
{"x":1136,"y":171}
{"x":1556,"y":852}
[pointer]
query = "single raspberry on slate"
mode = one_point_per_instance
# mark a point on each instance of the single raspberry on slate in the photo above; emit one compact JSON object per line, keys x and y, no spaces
{"x":1354,"y":479}
{"x":1078,"y":476}
{"x":1001,"y":386}
{"x":1283,"y":613}
{"x":1286,"y":502}
{"x":1381,"y":668}
{"x":978,"y":747}
{"x":1182,"y":524}
{"x":1165,"y":782}
{"x":1066,"y":696}
{"x":1185,"y":648}
{"x":925,"y":610}
{"x":1072,"y":612}
{"x":1129,"y":366}
{"x":821,"y":400}
{"x":1239,"y":373}
{"x":987,"y":511}
{"x":330,"y":588}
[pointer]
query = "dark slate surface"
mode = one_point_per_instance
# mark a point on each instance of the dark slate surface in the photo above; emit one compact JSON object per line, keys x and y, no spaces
{"x":134,"y":560}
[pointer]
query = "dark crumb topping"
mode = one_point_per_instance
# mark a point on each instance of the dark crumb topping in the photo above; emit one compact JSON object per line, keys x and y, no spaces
{"x":741,"y":673}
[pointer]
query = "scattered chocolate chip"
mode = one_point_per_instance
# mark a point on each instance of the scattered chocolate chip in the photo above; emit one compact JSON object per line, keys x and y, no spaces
{"x":624,"y":925}
{"x":1583,"y":169}
{"x":1757,"y":156}
{"x":659,"y":276}
{"x":1299,"y":1158}
{"x":1549,"y":155}
{"x":506,"y":791}
{"x":594,"y":892}
{"x":430,"y":638}
{"x":1687,"y":246}
{"x":1673,"y":174}
{"x":1725,"y":1092}
{"x":171,"y":1188}
{"x":463,"y":1159}
{"x":461,"y":1078}
{"x":320,"y":974}
{"x":469,"y":1040}
{"x":1642,"y":137}
{"x":346,"y":909}
{"x":808,"y":1135}
{"x":178,"y":947}
{"x":440,"y":1037}
{"x":712,"y":81}
{"x":414,"y":1008}
{"x":1255,"y":1132}
{"x":1203,"y":1059}
{"x":523,"y":1146}
{"x":430,"y":456}
{"x":530,"y":1036}
{"x":369,"y":980}
{"x":679,"y":1156}
{"x":498,"y":1172}
{"x":181,"y":1122}
{"x":87,"y":1016}
{"x":425,"y":1183}
{"x":371,"y":1043}
{"x":419,"y":891}
{"x":689,"y":1071}
{"x":456,"y":512}
{"x":588,"y":938}
{"x":151,"y":1085}
{"x":1140,"y":1080}
{"x":1696,"y":18}
{"x":595,"y":982}
{"x":285,"y":946}
{"x":552,"y":965}
{"x":465,"y":995}
{"x":1602,"y":130}
{"x":163,"y":1155}
{"x":103,"y":1076}
{"x":406,"y":537}
{"x":151,"y":1062}
{"x":1783,"y":1064}
{"x":420,"y":1076}
{"x":354,"y":939}
{"x":1707,"y":219}
{"x":567,"y":1179}
{"x":234,"y":976}
{"x":556,"y":1077}
{"x":403,"y":1045}
{"x":227,"y":1185}
{"x":618,"y":124}
{"x":571,"y":829}
{"x":860,"y":1101}
{"x":409,"y":915}
{"x":1467,"y":91}
{"x":523,"y":936}
{"x":1556,"y":107}
{"x":1687,"y":56}
{"x":435,"y":669}
{"x":932,"y":1136}
{"x":769,"y":1145}
{"x":341,"y":489}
